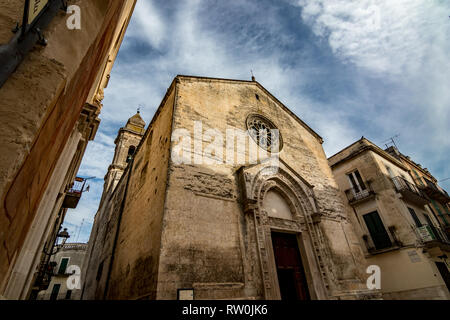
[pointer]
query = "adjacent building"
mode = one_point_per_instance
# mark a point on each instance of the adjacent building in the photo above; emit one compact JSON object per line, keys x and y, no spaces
{"x":66,"y":266}
{"x":187,"y":213}
{"x":52,"y":82}
{"x":400,"y":216}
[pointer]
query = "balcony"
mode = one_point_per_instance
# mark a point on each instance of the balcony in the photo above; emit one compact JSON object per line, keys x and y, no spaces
{"x":433,"y":236}
{"x":356,"y":196}
{"x":410,"y":192}
{"x":73,"y":194}
{"x":433,"y":191}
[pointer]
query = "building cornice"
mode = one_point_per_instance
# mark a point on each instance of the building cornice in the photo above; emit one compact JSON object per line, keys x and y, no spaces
{"x":368,"y":146}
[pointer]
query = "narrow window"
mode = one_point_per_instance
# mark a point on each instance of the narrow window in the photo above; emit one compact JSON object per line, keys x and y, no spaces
{"x":68,"y":294}
{"x":63,"y":265}
{"x":356,"y":182}
{"x":377,"y":231}
{"x":415,"y":218}
{"x":131,"y":151}
{"x":418,"y":177}
{"x":436,"y":234}
{"x":55,"y":292}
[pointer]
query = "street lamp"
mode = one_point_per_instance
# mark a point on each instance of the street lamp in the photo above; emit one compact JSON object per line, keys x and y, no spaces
{"x":64,"y":235}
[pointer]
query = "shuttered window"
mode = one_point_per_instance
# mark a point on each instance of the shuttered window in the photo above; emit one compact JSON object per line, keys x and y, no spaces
{"x":63,"y":265}
{"x":415,"y":218}
{"x":55,"y":292}
{"x":377,"y":231}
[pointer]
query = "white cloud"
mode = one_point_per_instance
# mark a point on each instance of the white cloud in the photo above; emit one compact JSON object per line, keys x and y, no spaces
{"x":149,"y":19}
{"x":381,"y":35}
{"x":404,"y":43}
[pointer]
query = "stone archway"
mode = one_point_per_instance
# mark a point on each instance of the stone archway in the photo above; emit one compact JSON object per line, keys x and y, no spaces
{"x":260,"y":182}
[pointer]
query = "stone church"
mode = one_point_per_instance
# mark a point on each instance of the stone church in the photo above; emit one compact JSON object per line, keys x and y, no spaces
{"x":209,"y":228}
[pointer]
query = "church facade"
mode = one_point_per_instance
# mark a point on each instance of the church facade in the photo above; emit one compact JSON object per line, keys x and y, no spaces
{"x":189,"y":212}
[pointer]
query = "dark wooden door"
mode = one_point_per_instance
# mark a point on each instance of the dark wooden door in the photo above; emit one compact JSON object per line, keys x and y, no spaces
{"x":291,"y":274}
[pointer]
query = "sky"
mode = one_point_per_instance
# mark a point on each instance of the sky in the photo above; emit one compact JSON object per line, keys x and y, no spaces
{"x":372,"y":68}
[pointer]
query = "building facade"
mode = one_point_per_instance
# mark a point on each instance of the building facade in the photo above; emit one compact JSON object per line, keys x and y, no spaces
{"x":183,"y":222}
{"x":391,"y":213}
{"x":65,"y":264}
{"x":48,"y":112}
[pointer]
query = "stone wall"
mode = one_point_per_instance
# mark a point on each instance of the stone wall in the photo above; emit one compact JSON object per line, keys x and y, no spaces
{"x":134,"y":270}
{"x":41,"y":104}
{"x":207,"y":239}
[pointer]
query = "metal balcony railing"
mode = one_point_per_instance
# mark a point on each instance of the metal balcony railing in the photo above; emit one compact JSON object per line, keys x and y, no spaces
{"x":409,"y":191}
{"x":428,"y":233}
{"x":73,"y":193}
{"x":357,"y":195}
{"x":432,"y":190}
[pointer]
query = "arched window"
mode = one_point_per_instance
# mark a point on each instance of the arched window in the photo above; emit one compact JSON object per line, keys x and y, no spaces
{"x":131,"y":151}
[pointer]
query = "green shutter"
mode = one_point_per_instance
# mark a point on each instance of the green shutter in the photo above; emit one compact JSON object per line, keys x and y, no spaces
{"x":63,"y":265}
{"x":55,"y":292}
{"x":377,"y":231}
{"x":439,"y":212}
{"x":418,"y":177}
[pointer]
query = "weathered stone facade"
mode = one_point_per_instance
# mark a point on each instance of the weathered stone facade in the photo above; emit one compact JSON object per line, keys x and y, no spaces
{"x":66,"y":264}
{"x":376,"y":182}
{"x":170,"y":226}
{"x":48,"y":112}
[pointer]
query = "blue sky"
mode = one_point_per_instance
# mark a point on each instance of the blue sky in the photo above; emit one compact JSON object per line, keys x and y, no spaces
{"x":373,"y":68}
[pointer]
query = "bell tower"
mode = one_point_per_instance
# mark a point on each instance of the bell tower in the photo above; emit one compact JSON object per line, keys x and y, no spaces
{"x":126,"y":142}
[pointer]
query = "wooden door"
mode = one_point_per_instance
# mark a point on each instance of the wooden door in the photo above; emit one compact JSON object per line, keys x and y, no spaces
{"x":290,"y":270}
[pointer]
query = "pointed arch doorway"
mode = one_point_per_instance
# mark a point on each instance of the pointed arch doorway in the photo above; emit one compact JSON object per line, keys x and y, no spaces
{"x":290,"y":270}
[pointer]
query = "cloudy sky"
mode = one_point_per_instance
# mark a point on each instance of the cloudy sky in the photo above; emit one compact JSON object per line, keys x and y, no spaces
{"x":373,"y":68}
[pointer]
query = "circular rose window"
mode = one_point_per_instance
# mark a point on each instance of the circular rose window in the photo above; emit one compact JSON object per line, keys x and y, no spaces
{"x":264,"y":133}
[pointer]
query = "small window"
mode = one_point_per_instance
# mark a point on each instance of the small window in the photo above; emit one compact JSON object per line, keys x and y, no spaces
{"x":415,"y":218}
{"x":131,"y":152}
{"x":68,"y":294}
{"x":55,"y":292}
{"x":356,"y":181}
{"x":63,"y":265}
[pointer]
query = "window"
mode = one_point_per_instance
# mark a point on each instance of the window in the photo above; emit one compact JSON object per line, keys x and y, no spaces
{"x":436,"y":234}
{"x":264,"y":133}
{"x":68,"y":294}
{"x":55,"y":292}
{"x":356,"y":181}
{"x":418,"y":177}
{"x":415,"y":218}
{"x":377,"y":231}
{"x":131,"y":152}
{"x":63,"y":265}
